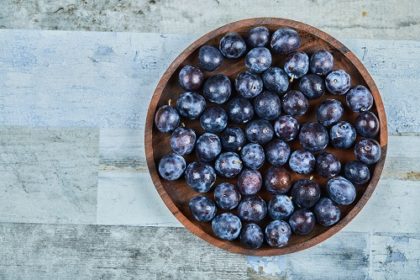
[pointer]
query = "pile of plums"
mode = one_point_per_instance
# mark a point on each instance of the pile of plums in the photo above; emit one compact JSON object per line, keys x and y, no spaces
{"x":252,"y":122}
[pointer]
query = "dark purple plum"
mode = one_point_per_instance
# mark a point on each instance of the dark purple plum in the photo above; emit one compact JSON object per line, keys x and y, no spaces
{"x":214,"y":119}
{"x":249,"y":182}
{"x":286,"y":128}
{"x":302,"y":222}
{"x":321,"y":62}
{"x":313,"y":137}
{"x":253,"y":156}
{"x":258,"y":36}
{"x":166,"y":119}
{"x":367,"y":124}
{"x":252,"y":236}
{"x":277,"y":233}
{"x":190,"y":105}
{"x":233,"y":139}
{"x":305,"y":193}
{"x":202,"y":208}
{"x":259,"y":131}
{"x":296,"y":65}
{"x":326,"y":212}
{"x":329,"y":112}
{"x":275,"y":80}
{"x":359,"y":99}
{"x":226,"y":196}
{"x":248,"y":85}
{"x":327,"y":165}
{"x":209,"y":58}
{"x":183,"y":140}
{"x":252,"y":209}
{"x":312,"y":86}
{"x":200,"y":176}
{"x":342,"y":135}
{"x":240,"y":110}
{"x":267,"y":105}
{"x":190,"y":78}
{"x":171,"y":167}
{"x":217,"y":89}
{"x":226,"y":226}
{"x":357,"y":172}
{"x":295,"y":103}
{"x":280,"y":207}
{"x":258,"y":60}
{"x":208,"y":147}
{"x":277,"y":152}
{"x":341,"y":190}
{"x":228,"y":164}
{"x":302,"y":162}
{"x":338,"y":82}
{"x":232,"y":45}
{"x":277,"y":180}
{"x":367,"y":151}
{"x":285,"y":40}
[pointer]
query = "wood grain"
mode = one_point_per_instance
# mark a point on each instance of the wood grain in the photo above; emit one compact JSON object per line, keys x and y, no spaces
{"x":176,"y":194}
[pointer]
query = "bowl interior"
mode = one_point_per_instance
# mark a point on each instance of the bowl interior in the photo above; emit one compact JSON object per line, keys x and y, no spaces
{"x":177,"y":194}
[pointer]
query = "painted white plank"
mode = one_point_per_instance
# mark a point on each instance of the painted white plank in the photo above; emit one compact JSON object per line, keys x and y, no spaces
{"x":108,"y":79}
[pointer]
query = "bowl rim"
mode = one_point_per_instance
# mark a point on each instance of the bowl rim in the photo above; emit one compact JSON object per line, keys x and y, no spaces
{"x":280,"y":22}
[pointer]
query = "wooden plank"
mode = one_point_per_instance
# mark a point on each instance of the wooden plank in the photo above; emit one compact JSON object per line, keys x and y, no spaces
{"x":108,"y":81}
{"x":40,"y":251}
{"x":48,"y":175}
{"x":353,"y":18}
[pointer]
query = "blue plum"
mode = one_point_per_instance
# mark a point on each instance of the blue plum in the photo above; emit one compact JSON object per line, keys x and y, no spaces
{"x":280,"y":207}
{"x":295,"y":103}
{"x":286,"y":128}
{"x":258,"y":60}
{"x":302,"y":162}
{"x":259,"y":131}
{"x":248,"y":85}
{"x":249,"y":182}
{"x":232,"y":45}
{"x":367,"y":124}
{"x":228,"y":164}
{"x":190,"y":78}
{"x":276,"y":80}
{"x":267,"y":105}
{"x":338,"y":82}
{"x":166,"y":119}
{"x":217,"y":89}
{"x":183,"y":140}
{"x":190,"y":105}
{"x":285,"y":40}
{"x":258,"y":36}
{"x":240,"y":110}
{"x":200,"y":176}
{"x":296,"y":65}
{"x":171,"y":167}
{"x":368,"y":151}
{"x":277,"y":233}
{"x":253,"y":156}
{"x":209,"y":58}
{"x":252,"y":236}
{"x":341,"y":190}
{"x":321,"y":62}
{"x":313,"y":137}
{"x":277,"y":180}
{"x":342,"y":135}
{"x":277,"y":152}
{"x":202,"y":208}
{"x":357,"y":172}
{"x":226,"y":196}
{"x":326,"y":212}
{"x":214,"y":119}
{"x":302,"y":222}
{"x":208,"y":147}
{"x":327,"y":165}
{"x":359,"y":99}
{"x":329,"y":112}
{"x":252,"y":209}
{"x":305,"y":193}
{"x":226,"y":226}
{"x":312,"y":86}
{"x":233,"y":139}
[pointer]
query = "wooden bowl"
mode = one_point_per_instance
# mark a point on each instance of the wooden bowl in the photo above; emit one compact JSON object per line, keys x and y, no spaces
{"x":176,"y":194}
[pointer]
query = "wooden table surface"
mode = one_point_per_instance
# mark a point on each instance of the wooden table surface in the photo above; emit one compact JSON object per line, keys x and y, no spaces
{"x":77,"y":201}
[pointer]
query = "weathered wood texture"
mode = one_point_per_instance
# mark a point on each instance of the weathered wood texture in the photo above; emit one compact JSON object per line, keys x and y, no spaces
{"x":387,"y":19}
